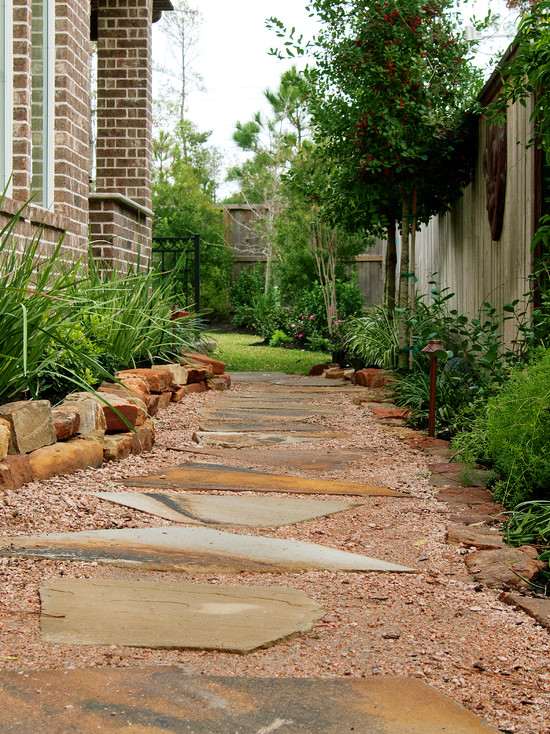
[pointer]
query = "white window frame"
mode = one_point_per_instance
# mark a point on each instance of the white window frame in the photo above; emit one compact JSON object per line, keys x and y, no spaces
{"x":6,"y":96}
{"x":45,"y":198}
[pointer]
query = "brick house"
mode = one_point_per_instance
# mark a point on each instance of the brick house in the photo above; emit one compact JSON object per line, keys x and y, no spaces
{"x":46,"y":153}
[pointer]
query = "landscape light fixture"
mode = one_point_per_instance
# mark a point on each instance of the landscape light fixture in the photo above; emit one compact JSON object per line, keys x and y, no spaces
{"x":433,"y":348}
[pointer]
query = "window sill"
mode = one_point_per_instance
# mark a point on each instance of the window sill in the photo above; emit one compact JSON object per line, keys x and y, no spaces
{"x":34,"y":215}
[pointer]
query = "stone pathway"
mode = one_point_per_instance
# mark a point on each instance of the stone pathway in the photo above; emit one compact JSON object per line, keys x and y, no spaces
{"x":266,"y":463}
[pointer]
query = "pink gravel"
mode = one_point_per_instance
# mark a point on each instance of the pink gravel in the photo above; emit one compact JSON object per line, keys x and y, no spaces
{"x":436,"y":625}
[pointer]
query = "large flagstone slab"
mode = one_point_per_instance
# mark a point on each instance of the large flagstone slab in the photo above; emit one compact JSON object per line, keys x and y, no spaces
{"x":139,"y":613}
{"x":191,"y":550}
{"x":308,"y":459}
{"x":233,"y":439}
{"x":232,"y":479}
{"x":223,"y":510}
{"x":166,"y":701}
{"x":280,"y":379}
{"x":259,"y":426}
{"x":232,"y":415}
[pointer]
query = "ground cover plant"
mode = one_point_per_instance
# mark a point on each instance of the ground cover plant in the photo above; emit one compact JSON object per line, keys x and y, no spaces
{"x":68,"y":326}
{"x":247,"y":353}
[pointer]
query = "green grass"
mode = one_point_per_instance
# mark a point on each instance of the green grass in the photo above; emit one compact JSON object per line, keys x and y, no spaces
{"x":239,"y":355}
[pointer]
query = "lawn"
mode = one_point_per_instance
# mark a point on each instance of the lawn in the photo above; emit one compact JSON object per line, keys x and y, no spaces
{"x":240,"y":354}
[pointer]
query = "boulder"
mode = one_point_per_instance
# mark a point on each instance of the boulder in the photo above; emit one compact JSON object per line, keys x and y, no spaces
{"x":143,"y":438}
{"x":389,"y":411}
{"x":334,"y":373}
{"x":538,"y":608}
{"x":318,"y":369}
{"x":121,"y":445}
{"x":156,"y":380}
{"x":218,"y":367}
{"x":117,"y":447}
{"x":195,"y":388}
{"x":179,"y":393}
{"x":178,"y":373}
{"x":217,"y":383}
{"x":121,"y":414}
{"x":66,"y":423}
{"x":30,"y":423}
{"x":66,"y":458}
{"x":15,"y":471}
{"x":165,"y":399}
{"x":373,"y":377}
{"x":482,"y":538}
{"x":505,"y":568}
{"x":153,"y":403}
{"x":90,"y":411}
{"x":5,"y":437}
{"x":130,"y":386}
{"x":197,"y":374}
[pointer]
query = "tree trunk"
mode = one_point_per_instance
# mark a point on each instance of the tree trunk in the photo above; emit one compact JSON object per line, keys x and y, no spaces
{"x":404,"y":286}
{"x":391,"y":266}
{"x":412,"y":278}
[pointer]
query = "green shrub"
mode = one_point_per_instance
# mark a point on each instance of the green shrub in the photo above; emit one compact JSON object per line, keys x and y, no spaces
{"x":280,"y":339}
{"x":269,"y":314}
{"x":518,"y":434}
{"x":245,"y":290}
{"x":373,"y":338}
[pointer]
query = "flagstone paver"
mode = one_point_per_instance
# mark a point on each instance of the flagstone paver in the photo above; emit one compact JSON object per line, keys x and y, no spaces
{"x":270,"y":437}
{"x":259,"y":426}
{"x":166,"y":701}
{"x":222,"y":510}
{"x":232,"y":479}
{"x":192,"y":550}
{"x":166,"y":615}
{"x":311,"y":459}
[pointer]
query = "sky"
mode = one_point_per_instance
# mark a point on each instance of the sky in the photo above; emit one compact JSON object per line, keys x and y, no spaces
{"x":232,"y":58}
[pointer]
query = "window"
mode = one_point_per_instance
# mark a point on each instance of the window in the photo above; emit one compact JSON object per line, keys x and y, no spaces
{"x":6,"y":94}
{"x":42,"y":101}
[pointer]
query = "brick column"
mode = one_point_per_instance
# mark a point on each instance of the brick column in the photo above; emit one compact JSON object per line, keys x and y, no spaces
{"x":124,"y":99}
{"x":21,"y":100}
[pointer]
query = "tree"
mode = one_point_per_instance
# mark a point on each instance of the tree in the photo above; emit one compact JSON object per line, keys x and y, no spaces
{"x":181,"y":28}
{"x":184,"y":202}
{"x":272,"y":142}
{"x":390,"y":82}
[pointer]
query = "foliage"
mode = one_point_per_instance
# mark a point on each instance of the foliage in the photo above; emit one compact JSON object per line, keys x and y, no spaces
{"x":529,"y":524}
{"x":37,"y":306}
{"x":373,"y":338}
{"x":269,"y":314}
{"x":184,"y":191}
{"x":518,"y":433}
{"x":280,"y":339}
{"x":248,"y":286}
{"x":67,"y":327}
{"x":241,"y":352}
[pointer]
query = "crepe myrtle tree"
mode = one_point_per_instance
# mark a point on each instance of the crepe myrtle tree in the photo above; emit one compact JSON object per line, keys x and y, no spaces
{"x":389,"y":82}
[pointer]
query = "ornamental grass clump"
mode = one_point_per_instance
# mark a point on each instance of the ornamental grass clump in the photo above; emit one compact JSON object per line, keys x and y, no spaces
{"x":128,"y":316}
{"x":37,"y":308}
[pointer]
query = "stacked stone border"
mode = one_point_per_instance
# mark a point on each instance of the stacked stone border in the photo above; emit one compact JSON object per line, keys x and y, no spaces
{"x":90,"y":428}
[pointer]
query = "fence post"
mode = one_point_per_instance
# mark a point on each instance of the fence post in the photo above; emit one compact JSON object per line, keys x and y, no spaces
{"x":197,"y":270}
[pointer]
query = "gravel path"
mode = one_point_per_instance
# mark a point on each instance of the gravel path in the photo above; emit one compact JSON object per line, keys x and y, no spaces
{"x":437,"y":625}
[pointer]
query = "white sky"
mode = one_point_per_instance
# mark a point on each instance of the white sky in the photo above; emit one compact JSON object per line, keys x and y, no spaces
{"x":232,"y":58}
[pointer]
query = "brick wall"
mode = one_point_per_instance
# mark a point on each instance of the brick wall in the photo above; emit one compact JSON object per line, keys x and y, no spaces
{"x":124,"y":127}
{"x":69,"y":216}
{"x":120,"y":233}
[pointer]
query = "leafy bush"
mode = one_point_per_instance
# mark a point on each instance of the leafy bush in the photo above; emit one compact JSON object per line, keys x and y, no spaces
{"x":280,"y":339}
{"x":245,"y":290}
{"x":518,"y":433}
{"x":66,"y":327}
{"x":37,"y":307}
{"x":529,"y":524}
{"x":269,"y":314}
{"x":373,"y":338}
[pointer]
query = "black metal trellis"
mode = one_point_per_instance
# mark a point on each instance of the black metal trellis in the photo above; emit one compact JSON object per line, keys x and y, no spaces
{"x":173,"y":254}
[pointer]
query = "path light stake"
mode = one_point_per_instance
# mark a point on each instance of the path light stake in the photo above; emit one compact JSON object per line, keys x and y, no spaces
{"x":433,"y":348}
